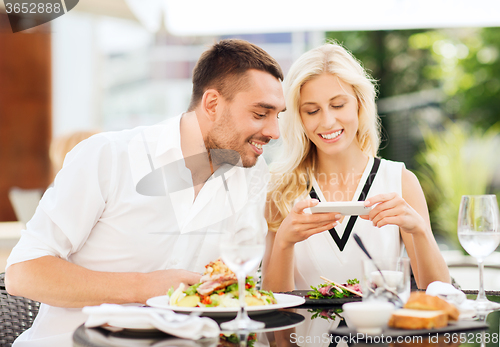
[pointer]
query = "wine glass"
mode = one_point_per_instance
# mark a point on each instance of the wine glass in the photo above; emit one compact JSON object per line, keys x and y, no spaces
{"x":242,"y":252}
{"x":478,"y":233}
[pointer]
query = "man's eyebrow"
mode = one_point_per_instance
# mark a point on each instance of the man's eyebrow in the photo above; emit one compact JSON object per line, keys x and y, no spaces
{"x":267,"y":106}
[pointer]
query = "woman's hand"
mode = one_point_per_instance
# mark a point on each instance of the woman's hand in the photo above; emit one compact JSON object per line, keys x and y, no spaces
{"x":277,"y":266}
{"x":298,"y":225}
{"x":393,"y":209}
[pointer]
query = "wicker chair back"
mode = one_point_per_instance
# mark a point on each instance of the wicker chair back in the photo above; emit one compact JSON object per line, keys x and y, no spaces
{"x":16,"y":315}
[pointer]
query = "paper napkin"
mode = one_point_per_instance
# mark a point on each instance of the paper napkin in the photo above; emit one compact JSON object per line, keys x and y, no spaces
{"x":453,"y":296}
{"x":135,"y":317}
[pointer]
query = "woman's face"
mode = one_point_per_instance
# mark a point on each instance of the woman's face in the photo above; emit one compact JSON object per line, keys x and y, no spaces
{"x":329,"y":111}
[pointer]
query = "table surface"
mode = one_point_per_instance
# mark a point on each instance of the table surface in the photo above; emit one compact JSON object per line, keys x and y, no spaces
{"x":306,"y":325}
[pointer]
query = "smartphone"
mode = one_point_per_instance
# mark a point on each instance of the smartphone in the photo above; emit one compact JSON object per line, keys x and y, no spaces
{"x":346,"y":208}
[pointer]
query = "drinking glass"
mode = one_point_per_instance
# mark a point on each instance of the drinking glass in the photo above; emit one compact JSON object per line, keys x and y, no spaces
{"x":478,"y":233}
{"x":396,"y":272}
{"x":242,"y":252}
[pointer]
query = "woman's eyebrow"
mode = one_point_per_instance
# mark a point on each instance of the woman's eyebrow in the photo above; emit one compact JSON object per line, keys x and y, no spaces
{"x":314,"y":103}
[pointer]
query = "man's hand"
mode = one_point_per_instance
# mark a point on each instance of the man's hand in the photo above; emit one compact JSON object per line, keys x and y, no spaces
{"x":159,"y":282}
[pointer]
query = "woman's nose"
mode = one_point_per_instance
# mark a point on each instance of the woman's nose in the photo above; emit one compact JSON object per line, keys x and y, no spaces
{"x":329,"y":119}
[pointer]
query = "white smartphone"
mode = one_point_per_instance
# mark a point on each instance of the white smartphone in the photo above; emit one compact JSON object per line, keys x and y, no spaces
{"x":346,"y":208}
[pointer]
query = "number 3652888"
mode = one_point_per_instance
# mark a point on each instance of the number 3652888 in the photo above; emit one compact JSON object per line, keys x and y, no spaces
{"x":32,"y":7}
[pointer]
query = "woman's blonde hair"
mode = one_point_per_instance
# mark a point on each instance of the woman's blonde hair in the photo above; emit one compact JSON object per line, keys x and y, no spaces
{"x":292,"y":171}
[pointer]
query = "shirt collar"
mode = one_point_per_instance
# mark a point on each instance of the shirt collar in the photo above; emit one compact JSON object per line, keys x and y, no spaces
{"x":162,"y":147}
{"x":170,"y":137}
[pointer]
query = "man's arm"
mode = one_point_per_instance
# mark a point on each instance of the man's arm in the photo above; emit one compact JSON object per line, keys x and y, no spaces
{"x":39,"y":266}
{"x":57,"y":282}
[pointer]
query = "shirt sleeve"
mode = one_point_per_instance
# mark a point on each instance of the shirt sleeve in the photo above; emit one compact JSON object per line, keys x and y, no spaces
{"x":70,"y":208}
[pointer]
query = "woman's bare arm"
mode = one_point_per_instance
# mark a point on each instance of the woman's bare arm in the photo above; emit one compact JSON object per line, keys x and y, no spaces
{"x":410,"y":213}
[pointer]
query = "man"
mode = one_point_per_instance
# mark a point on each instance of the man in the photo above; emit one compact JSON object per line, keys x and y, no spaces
{"x":135,"y":212}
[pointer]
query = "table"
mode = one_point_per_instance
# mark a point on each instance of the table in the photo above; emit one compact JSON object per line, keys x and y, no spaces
{"x":305,"y":325}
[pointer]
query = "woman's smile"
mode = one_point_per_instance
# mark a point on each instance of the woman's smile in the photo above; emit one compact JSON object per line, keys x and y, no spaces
{"x":331,"y":136}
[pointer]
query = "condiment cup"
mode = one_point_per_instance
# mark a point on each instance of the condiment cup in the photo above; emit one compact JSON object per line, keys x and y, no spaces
{"x":368,"y":317}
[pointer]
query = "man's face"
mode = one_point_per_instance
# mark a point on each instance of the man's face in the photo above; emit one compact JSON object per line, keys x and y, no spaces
{"x":249,"y":121}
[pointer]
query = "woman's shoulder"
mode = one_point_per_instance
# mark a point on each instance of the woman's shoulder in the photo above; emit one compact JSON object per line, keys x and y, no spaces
{"x":407,"y":178}
{"x":390,"y":176}
{"x":391,"y":164}
{"x":397,"y":166}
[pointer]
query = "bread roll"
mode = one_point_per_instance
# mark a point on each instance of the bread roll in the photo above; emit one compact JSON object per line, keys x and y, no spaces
{"x":418,"y":319}
{"x":422,"y":301}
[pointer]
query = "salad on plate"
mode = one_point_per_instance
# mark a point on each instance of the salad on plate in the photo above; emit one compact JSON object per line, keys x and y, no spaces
{"x":218,"y":287}
{"x":232,"y":340}
{"x":333,"y":291}
{"x":327,"y":314}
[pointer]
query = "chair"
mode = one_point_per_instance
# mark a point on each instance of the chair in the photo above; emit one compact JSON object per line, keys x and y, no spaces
{"x":24,"y":202}
{"x":16,"y":315}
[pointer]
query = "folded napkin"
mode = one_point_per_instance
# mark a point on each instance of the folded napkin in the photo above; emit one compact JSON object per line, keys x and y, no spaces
{"x":180,"y":325}
{"x":453,"y":296}
{"x":98,"y":338}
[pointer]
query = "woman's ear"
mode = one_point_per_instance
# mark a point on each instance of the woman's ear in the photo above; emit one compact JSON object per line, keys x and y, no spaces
{"x":358,"y":102}
{"x":209,"y":103}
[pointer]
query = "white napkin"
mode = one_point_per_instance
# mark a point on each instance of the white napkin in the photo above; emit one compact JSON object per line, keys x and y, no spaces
{"x":453,"y":296}
{"x":99,"y":339}
{"x":134,"y":317}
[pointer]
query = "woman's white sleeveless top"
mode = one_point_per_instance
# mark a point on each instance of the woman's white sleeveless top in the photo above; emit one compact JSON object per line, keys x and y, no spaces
{"x":320,"y":255}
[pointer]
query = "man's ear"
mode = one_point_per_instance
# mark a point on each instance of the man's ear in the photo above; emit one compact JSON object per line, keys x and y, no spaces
{"x":209,"y":103}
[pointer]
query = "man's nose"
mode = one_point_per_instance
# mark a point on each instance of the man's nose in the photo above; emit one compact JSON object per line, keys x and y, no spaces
{"x":271,"y":128}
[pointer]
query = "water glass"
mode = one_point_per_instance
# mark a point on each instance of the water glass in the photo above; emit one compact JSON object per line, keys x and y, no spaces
{"x":396,"y":272}
{"x":242,"y":252}
{"x":479,"y":235}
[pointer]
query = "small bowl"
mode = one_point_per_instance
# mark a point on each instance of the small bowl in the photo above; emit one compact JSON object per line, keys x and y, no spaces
{"x":368,"y":317}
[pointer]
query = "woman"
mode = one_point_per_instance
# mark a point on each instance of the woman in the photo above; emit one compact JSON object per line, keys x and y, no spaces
{"x":330,"y":135}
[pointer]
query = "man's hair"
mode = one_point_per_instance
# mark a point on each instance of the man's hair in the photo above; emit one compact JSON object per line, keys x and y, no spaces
{"x":223,"y":66}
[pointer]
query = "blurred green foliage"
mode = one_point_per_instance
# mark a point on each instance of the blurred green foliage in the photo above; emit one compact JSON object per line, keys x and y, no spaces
{"x":390,"y":60}
{"x":464,"y":63}
{"x":457,"y":161}
{"x":457,"y":157}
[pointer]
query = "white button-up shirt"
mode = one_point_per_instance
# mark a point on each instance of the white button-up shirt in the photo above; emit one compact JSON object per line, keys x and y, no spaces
{"x":124,"y":202}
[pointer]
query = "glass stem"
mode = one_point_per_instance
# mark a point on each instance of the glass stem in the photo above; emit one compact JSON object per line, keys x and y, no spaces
{"x":243,"y":337}
{"x":481,"y":295}
{"x":242,"y":313}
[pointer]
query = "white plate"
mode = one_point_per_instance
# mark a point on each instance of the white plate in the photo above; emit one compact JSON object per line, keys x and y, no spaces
{"x":129,"y":325}
{"x":284,"y":301}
